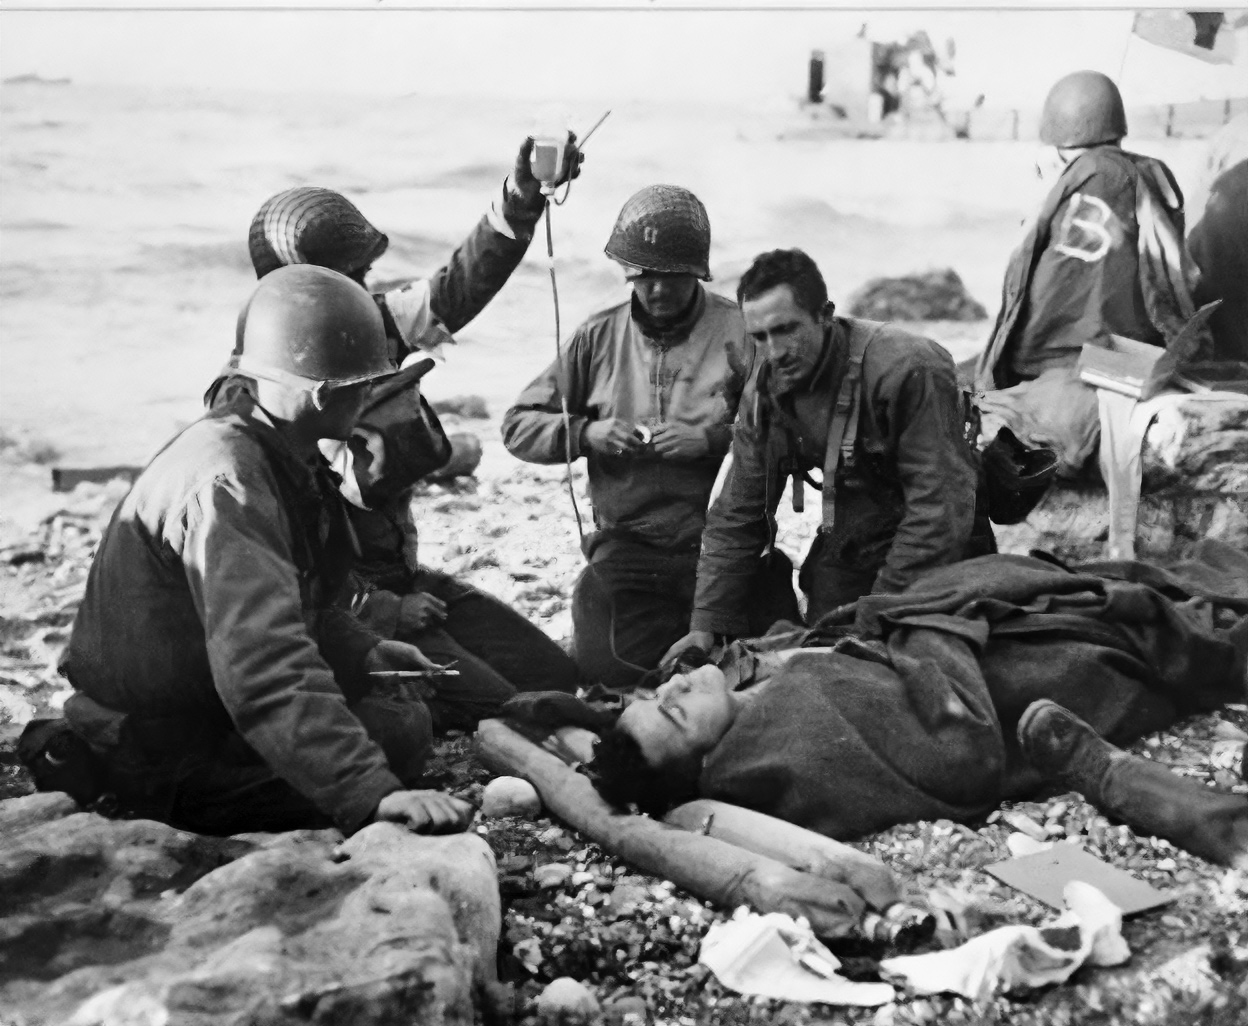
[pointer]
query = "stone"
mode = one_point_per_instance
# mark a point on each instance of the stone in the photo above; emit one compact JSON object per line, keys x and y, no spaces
{"x":471,"y":407}
{"x":566,"y":1002}
{"x":937,"y":295}
{"x":629,"y":1010}
{"x":555,"y":874}
{"x":510,"y":796}
{"x":108,"y":923}
{"x":1194,"y":464}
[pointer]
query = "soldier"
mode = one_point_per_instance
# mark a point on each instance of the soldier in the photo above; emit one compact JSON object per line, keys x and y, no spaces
{"x":398,"y":439}
{"x":218,"y":684}
{"x":1105,"y":252}
{"x":651,"y":388}
{"x":879,"y":412}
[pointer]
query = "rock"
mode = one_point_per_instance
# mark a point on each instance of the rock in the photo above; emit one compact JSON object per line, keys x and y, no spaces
{"x":937,"y":295}
{"x":471,"y":407}
{"x":510,"y":796}
{"x":1022,"y":844}
{"x":565,"y":1002}
{"x":1195,"y":485}
{"x":629,"y":1010}
{"x":465,"y":458}
{"x":555,"y":874}
{"x":32,"y":809}
{"x":109,"y":923}
{"x":1026,"y":825}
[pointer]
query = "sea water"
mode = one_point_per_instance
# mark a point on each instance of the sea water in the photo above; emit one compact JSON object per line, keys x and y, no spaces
{"x":124,"y":215}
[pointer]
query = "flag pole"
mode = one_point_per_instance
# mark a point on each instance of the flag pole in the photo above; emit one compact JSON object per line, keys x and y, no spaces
{"x":1126,"y":48}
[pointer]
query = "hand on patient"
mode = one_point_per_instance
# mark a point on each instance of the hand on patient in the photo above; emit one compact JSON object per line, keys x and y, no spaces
{"x":703,"y":641}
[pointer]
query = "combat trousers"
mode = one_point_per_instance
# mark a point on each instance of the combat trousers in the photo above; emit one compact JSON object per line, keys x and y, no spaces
{"x":633,"y":602}
{"x":164,"y":770}
{"x":496,"y":651}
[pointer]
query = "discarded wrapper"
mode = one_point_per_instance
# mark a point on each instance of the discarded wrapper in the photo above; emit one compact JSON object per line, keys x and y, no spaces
{"x":1021,"y":957}
{"x":777,"y":956}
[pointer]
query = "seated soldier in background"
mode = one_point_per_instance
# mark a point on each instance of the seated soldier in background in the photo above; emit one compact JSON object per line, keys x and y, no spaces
{"x":1103,"y":256}
{"x":398,"y":439}
{"x":217,"y":683}
{"x":946,"y":705}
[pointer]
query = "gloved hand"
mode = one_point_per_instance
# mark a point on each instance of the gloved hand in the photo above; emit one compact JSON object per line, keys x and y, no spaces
{"x":524,"y":189}
{"x":550,"y":710}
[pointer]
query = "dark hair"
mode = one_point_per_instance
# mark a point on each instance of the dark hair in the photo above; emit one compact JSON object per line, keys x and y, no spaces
{"x":791,"y":267}
{"x":623,"y":777}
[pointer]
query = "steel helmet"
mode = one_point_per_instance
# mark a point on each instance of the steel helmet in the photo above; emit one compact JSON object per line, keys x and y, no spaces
{"x":1083,"y":109}
{"x":313,"y":328}
{"x":308,"y":225}
{"x":663,"y":228}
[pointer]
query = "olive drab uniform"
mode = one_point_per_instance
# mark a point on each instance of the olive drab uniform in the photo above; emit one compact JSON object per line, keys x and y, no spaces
{"x":882,"y":416}
{"x":399,"y":440}
{"x":633,"y":600}
{"x":1104,"y":256}
{"x":209,"y":639}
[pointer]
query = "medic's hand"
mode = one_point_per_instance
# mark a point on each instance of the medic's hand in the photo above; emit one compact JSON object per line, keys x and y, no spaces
{"x":680,"y":442}
{"x":420,"y":611}
{"x":612,"y":437}
{"x":425,"y":812}
{"x":526,"y":188}
{"x":703,"y":641}
{"x":397,"y":655}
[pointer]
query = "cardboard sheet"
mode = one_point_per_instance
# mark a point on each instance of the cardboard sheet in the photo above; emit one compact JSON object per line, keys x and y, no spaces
{"x":1045,"y":874}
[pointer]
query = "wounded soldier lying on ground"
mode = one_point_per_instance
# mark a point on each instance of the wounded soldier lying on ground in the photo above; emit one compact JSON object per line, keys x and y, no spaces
{"x":974,"y":685}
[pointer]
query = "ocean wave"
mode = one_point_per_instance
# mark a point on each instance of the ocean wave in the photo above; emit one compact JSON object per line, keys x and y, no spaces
{"x":43,"y":124}
{"x":35,"y":225}
{"x":201,"y":256}
{"x":485,"y":175}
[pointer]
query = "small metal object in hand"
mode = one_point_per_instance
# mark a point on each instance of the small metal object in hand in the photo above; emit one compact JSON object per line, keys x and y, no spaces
{"x":642,"y":433}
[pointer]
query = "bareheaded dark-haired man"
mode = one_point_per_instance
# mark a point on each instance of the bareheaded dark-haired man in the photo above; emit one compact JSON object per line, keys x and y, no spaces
{"x":879,"y":412}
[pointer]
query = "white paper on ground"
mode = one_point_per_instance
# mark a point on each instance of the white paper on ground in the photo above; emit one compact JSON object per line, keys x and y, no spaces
{"x":755,"y":954}
{"x":1019,"y":957}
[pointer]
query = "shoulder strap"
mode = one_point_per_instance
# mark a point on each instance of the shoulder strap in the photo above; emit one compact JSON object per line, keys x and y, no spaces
{"x":843,"y":424}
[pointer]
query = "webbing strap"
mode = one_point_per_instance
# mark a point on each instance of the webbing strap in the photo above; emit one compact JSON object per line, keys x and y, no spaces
{"x":843,"y":425}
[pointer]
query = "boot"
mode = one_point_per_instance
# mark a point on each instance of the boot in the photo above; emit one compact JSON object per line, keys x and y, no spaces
{"x":1148,"y":798}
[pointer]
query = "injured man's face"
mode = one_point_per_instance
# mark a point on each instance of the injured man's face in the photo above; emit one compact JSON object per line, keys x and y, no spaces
{"x":686,"y":717}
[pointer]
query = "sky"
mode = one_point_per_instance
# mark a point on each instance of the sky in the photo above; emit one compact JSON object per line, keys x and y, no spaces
{"x":652,"y":51}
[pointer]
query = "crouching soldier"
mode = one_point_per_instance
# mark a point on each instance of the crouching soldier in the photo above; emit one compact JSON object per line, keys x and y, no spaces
{"x":216,"y":685}
{"x":879,"y":412}
{"x":647,"y":392}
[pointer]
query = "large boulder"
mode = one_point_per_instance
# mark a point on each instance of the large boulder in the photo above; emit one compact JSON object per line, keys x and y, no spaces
{"x":108,"y":922}
{"x":1194,"y":465}
{"x":931,"y":296}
